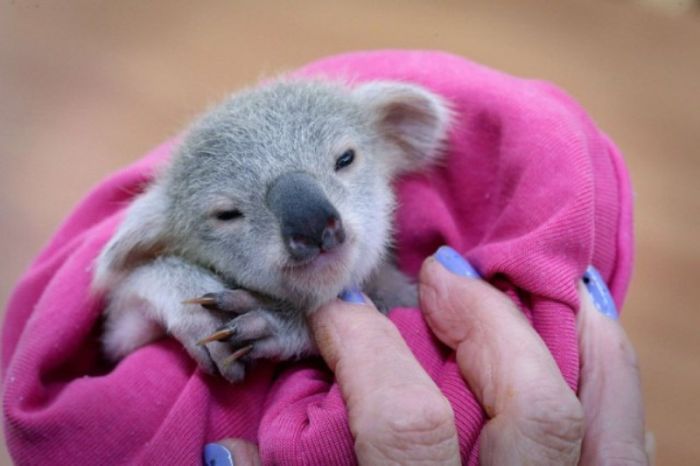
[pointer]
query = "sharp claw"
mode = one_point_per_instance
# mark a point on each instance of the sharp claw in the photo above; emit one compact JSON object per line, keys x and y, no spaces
{"x":217,"y":336}
{"x":239,"y":353}
{"x":206,"y":300}
{"x":237,"y":301}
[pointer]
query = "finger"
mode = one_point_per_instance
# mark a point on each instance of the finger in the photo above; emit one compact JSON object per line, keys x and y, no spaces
{"x":610,"y":388}
{"x":230,"y":452}
{"x":535,"y":416}
{"x":396,"y":412}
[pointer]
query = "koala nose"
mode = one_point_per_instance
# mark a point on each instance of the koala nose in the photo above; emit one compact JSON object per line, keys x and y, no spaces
{"x":309,"y":223}
{"x":302,"y":247}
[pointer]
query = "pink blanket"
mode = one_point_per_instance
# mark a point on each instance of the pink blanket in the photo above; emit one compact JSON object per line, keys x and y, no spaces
{"x":532,"y":192}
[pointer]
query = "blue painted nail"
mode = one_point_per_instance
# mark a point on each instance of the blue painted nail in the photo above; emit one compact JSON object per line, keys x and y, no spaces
{"x":352,"y":295}
{"x":599,"y":292}
{"x":217,"y":455}
{"x":452,"y":261}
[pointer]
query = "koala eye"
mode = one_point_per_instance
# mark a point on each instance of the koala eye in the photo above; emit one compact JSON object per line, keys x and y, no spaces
{"x":228,"y":215}
{"x":345,"y":159}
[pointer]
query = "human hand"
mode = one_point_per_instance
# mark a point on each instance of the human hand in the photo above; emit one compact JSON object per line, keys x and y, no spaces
{"x":534,"y":416}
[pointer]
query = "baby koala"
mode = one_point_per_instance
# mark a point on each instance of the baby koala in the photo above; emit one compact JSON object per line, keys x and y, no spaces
{"x":274,"y":202}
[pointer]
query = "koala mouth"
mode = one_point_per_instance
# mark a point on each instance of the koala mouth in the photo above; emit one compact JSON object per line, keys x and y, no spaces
{"x":326,"y":261}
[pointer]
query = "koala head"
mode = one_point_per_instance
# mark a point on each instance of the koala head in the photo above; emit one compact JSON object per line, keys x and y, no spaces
{"x":285,"y":189}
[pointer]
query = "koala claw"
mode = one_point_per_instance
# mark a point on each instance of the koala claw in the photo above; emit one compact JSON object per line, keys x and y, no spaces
{"x":206,"y":301}
{"x":219,"y":335}
{"x":220,"y":359}
{"x":237,"y":301}
{"x":259,"y":334}
{"x":239,"y":353}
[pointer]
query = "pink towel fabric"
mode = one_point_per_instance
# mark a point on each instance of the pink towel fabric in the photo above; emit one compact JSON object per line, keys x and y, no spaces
{"x":531,"y":192}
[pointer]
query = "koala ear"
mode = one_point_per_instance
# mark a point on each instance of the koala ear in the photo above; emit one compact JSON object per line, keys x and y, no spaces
{"x":409,"y":116}
{"x":141,"y":236}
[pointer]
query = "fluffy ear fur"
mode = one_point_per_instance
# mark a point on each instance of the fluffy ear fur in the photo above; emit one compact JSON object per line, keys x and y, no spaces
{"x":409,"y":116}
{"x":140,"y":237}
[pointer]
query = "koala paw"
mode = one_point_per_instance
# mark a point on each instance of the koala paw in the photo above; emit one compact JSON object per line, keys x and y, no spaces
{"x":262,"y":333}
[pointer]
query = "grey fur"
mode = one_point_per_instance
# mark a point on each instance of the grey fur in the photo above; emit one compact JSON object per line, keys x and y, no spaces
{"x":171,"y":246}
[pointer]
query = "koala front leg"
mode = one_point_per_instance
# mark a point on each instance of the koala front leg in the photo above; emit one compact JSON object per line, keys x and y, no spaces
{"x":150,"y":301}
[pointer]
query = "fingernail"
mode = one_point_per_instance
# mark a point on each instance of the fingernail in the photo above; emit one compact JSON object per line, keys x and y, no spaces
{"x":216,"y":454}
{"x":599,"y":293}
{"x":352,"y":295}
{"x":452,"y":261}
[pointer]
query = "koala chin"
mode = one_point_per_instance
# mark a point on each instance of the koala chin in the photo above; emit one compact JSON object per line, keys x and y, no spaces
{"x":276,"y":200}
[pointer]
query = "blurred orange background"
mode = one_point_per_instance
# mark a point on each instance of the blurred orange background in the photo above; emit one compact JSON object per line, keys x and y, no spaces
{"x":89,"y":86}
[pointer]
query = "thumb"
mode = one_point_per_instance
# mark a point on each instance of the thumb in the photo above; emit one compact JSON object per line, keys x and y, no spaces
{"x":231,"y":452}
